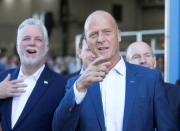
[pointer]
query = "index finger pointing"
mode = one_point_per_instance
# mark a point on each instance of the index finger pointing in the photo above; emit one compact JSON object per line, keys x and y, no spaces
{"x":99,"y":60}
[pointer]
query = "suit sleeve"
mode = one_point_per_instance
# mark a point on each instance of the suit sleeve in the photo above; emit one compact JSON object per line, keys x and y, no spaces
{"x":66,"y":116}
{"x":173,"y":93}
{"x":164,"y":118}
{"x":2,"y":77}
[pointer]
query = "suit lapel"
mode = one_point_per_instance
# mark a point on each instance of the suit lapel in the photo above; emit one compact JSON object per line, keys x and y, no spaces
{"x":38,"y":91}
{"x":8,"y":106}
{"x":130,"y":94}
{"x":95,"y":96}
{"x":8,"y":112}
{"x":131,"y":86}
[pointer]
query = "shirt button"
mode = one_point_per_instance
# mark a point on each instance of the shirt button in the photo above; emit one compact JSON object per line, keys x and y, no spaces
{"x":70,"y":109}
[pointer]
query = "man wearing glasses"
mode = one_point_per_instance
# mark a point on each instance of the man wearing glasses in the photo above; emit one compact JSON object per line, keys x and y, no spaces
{"x":140,"y":53}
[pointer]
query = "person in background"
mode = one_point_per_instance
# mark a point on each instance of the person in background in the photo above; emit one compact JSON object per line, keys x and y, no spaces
{"x":2,"y":66}
{"x":3,"y":63}
{"x":85,"y":54}
{"x":33,"y":108}
{"x":111,"y":94}
{"x":140,"y":53}
{"x":13,"y":62}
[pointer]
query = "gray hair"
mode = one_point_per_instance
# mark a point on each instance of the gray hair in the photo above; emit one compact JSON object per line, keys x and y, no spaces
{"x":32,"y":21}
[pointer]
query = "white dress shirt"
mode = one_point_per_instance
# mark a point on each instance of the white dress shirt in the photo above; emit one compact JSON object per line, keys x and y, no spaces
{"x":113,"y":96}
{"x":18,"y":103}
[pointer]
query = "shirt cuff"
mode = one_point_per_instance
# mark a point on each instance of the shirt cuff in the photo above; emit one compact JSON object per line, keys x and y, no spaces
{"x":79,"y":96}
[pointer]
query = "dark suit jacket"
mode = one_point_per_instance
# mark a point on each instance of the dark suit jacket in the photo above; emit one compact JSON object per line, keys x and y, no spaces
{"x":173,"y":93}
{"x":73,"y":74}
{"x":38,"y":112}
{"x":146,"y":105}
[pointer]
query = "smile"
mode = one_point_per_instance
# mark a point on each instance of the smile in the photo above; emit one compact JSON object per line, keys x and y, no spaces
{"x":102,"y":48}
{"x":31,"y":51}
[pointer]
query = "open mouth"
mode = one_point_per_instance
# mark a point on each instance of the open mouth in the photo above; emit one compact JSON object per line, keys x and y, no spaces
{"x":31,"y":51}
{"x":102,"y":48}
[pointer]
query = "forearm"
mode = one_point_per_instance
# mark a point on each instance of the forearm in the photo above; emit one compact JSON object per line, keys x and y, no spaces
{"x":67,"y":113}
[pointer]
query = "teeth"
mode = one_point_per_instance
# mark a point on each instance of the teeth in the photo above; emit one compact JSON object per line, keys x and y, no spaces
{"x":102,"y":48}
{"x":31,"y":51}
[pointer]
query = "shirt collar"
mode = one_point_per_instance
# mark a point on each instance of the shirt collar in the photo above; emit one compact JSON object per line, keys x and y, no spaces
{"x":82,"y":70}
{"x":120,"y":67}
{"x":36,"y":75}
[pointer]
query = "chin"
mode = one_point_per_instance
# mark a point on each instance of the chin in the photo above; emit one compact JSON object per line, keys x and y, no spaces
{"x":32,"y":61}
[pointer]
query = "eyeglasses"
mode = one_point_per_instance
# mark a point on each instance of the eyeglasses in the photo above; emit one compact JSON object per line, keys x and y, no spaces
{"x":139,"y":57}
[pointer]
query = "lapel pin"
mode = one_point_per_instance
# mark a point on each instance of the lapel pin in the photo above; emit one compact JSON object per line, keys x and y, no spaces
{"x":131,"y":81}
{"x":45,"y":82}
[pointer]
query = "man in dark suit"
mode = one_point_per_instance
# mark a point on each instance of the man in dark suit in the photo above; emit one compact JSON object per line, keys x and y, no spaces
{"x":112,"y":94}
{"x":31,"y":109}
{"x":140,"y":53}
{"x":85,"y":55}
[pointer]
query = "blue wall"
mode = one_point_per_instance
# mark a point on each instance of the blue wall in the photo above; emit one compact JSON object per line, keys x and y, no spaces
{"x":173,"y":51}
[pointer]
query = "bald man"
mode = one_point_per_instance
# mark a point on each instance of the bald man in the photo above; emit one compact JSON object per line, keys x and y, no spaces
{"x":111,"y":94}
{"x":140,"y":53}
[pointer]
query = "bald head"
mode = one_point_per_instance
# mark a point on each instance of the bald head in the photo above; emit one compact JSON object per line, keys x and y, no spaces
{"x":103,"y":36}
{"x":99,"y":14}
{"x":140,"y":53}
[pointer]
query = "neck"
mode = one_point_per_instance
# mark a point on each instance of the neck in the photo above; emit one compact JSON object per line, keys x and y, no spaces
{"x":29,"y":70}
{"x":114,"y":62}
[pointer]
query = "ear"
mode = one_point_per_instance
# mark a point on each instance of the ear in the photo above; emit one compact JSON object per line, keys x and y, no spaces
{"x":155,"y":62}
{"x":127,"y":58}
{"x":79,"y":53}
{"x":119,"y":35}
{"x":47,"y":48}
{"x":85,"y":38}
{"x":16,"y":47}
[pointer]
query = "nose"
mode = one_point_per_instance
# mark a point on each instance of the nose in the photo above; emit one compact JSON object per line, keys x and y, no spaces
{"x":31,"y":42}
{"x":142,"y":60}
{"x":100,"y":37}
